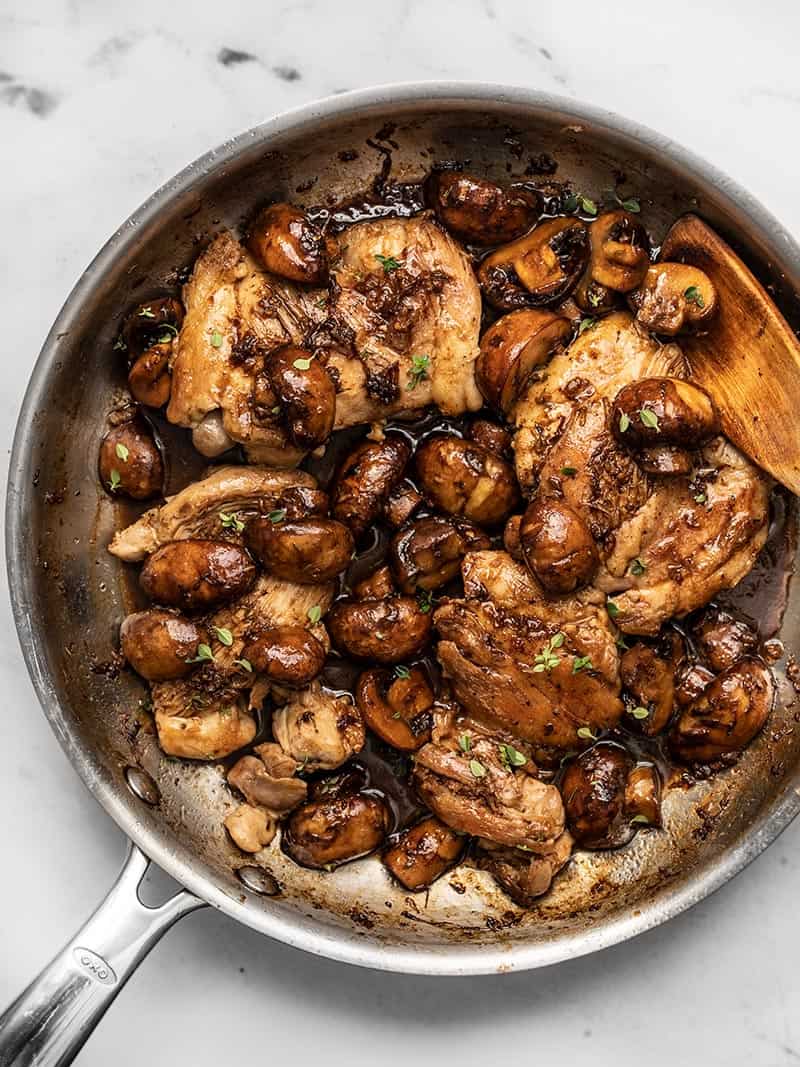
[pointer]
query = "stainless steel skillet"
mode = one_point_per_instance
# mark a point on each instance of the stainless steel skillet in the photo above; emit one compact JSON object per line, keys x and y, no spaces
{"x":69,"y":595}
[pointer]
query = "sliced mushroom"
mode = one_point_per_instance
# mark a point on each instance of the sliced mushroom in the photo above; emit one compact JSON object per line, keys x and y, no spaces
{"x":691,"y":683}
{"x":423,"y":853}
{"x":287,"y":243}
{"x":130,"y":463}
{"x":512,"y":348}
{"x":663,"y":411}
{"x":305,"y":392}
{"x":196,"y":573}
{"x":325,"y":833}
{"x":464,"y":478}
{"x":665,"y":460}
{"x":674,"y":297}
{"x":649,"y":682}
{"x":726,"y":716}
{"x":592,"y":297}
{"x":251,"y":828}
{"x":643,"y":795}
{"x":155,"y":322}
{"x":388,"y":631}
{"x":365,"y":480}
{"x":397,"y":706}
{"x":401,"y":504}
{"x":619,"y":254}
{"x":479,"y":211}
{"x":306,"y":551}
{"x":428,"y":554}
{"x":557,"y":545}
{"x":149,"y":378}
{"x":538,"y":269}
{"x":159,"y":644}
{"x":286,"y":655}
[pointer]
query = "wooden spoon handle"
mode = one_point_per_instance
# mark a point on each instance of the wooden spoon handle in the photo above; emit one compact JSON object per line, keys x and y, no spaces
{"x":749,"y":360}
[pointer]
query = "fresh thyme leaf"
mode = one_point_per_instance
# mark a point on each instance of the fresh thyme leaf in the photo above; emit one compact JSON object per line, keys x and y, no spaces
{"x":425,"y":600}
{"x":216,"y":339}
{"x":594,"y":298}
{"x":146,"y":313}
{"x":418,"y":372}
{"x":314,"y":614}
{"x":171,"y":331}
{"x":624,"y":422}
{"x":557,"y":640}
{"x":612,"y":609}
{"x":694,"y":296}
{"x":546,"y":660}
{"x":122,"y":451}
{"x":277,"y":516}
{"x":570,"y":203}
{"x":640,"y":713}
{"x":224,"y":635}
{"x":477,"y":768}
{"x":389,"y":263}
{"x":204,"y":655}
{"x":512,"y":757}
{"x":649,"y":418}
{"x":465,"y":742}
{"x":581,"y":663}
{"x":231,"y":521}
{"x":700,"y":498}
{"x":120,"y":346}
{"x":620,"y":642}
{"x":402,"y":672}
{"x":588,"y":205}
{"x":641,"y":819}
{"x":585,"y":324}
{"x":569,"y":472}
{"x":245,"y":664}
{"x":114,"y":481}
{"x":585,"y":734}
{"x":303,"y":363}
{"x":629,"y":204}
{"x":637,"y":567}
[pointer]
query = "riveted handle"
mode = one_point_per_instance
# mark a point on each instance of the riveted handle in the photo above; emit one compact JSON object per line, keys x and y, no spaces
{"x":49,"y":1023}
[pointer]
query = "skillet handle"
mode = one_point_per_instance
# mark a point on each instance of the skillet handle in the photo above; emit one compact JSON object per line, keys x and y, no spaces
{"x":49,"y":1023}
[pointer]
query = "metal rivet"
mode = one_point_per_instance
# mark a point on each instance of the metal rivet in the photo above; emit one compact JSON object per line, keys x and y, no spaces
{"x":258,"y":880}
{"x":142,"y":785}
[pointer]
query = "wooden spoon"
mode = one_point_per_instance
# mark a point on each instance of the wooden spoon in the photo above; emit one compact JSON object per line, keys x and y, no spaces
{"x":749,"y":359}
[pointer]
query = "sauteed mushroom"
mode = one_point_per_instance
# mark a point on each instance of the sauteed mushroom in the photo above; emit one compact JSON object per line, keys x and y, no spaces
{"x":130,"y":463}
{"x":619,"y":251}
{"x":663,"y":411}
{"x":540,"y":268}
{"x":305,"y":392}
{"x":650,"y":684}
{"x":326,"y":833}
{"x":557,"y":546}
{"x":429,"y":553}
{"x":160,"y":644}
{"x":492,"y":436}
{"x":196,"y":573}
{"x":285,"y":242}
{"x":307,"y":551}
{"x":376,"y":586}
{"x":149,"y":378}
{"x":512,"y":348}
{"x":397,"y":706}
{"x":674,"y":297}
{"x":365,"y":480}
{"x":606,"y":797}
{"x":423,"y":854}
{"x":479,"y":211}
{"x":388,"y":631}
{"x":286,"y":655}
{"x":464,"y":478}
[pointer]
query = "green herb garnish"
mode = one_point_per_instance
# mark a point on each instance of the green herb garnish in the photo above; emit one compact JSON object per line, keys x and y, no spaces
{"x":624,"y":422}
{"x":224,"y":636}
{"x":694,"y":296}
{"x":649,"y":418}
{"x":637,"y":567}
{"x":640,"y":713}
{"x":477,"y":768}
{"x":204,"y":655}
{"x":146,"y":313}
{"x":402,"y":672}
{"x":425,"y":600}
{"x":546,"y":660}
{"x":465,"y":742}
{"x":122,"y":451}
{"x":231,"y":521}
{"x":629,"y":204}
{"x":245,"y":664}
{"x":569,"y":472}
{"x":585,"y":734}
{"x":216,"y":339}
{"x":114,"y":481}
{"x":512,"y":757}
{"x":585,"y":324}
{"x":314,"y":614}
{"x":612,"y":609}
{"x":418,"y":372}
{"x":389,"y":263}
{"x":582,"y":663}
{"x":277,"y":516}
{"x":303,"y":363}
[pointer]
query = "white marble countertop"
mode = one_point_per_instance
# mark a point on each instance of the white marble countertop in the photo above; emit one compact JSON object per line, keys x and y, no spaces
{"x":99,"y":104}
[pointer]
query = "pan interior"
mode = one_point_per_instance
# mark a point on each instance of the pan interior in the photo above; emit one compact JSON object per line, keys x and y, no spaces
{"x":70,"y":595}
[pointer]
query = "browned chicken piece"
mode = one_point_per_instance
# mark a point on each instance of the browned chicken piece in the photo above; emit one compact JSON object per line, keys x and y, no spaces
{"x":540,"y":668}
{"x":391,"y":337}
{"x":525,"y":875}
{"x":221,"y":727}
{"x":251,"y":828}
{"x":598,"y":363}
{"x":480,"y":783}
{"x":200,"y":510}
{"x":316,"y":728}
{"x":692,"y":538}
{"x":406,"y":290}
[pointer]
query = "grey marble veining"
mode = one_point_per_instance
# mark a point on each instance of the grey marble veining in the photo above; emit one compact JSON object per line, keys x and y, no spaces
{"x":100,"y":102}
